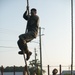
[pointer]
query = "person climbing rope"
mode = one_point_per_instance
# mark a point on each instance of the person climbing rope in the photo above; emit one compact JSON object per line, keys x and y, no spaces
{"x":31,"y":32}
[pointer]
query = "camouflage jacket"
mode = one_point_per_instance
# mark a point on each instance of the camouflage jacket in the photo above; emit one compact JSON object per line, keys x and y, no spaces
{"x":32,"y":24}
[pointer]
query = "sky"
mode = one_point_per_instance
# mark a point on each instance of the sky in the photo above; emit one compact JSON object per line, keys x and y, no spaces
{"x":55,"y":18}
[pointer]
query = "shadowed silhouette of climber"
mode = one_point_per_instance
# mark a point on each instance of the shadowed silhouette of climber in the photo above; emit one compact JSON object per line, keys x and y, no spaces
{"x":31,"y":32}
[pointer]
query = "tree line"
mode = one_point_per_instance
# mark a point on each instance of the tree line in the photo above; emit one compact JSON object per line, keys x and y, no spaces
{"x":12,"y":68}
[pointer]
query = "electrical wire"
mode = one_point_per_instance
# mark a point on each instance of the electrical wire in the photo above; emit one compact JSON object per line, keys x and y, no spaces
{"x":7,"y":47}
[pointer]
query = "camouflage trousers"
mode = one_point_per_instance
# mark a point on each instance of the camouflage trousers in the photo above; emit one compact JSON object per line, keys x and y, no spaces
{"x":23,"y":40}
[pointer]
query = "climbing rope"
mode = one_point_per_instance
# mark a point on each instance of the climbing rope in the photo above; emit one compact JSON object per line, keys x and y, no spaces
{"x":28,"y":6}
{"x":23,"y":50}
{"x":28,"y":12}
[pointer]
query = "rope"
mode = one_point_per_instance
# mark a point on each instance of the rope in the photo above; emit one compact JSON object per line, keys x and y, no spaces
{"x":28,"y":13}
{"x":25,"y":62}
{"x":25,"y":32}
{"x":28,"y":6}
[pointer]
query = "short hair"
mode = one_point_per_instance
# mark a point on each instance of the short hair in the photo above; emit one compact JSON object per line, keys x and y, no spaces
{"x":33,"y":9}
{"x":55,"y":71}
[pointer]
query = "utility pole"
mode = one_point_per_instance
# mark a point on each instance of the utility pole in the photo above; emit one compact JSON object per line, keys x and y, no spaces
{"x":72,"y":37}
{"x":40,"y":50}
{"x":35,"y":56}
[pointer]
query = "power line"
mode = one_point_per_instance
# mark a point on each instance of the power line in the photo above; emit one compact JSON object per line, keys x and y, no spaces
{"x":7,"y":47}
{"x":8,"y":31}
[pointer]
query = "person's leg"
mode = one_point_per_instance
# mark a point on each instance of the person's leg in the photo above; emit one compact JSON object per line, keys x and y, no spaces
{"x":27,"y":37}
{"x":23,"y":45}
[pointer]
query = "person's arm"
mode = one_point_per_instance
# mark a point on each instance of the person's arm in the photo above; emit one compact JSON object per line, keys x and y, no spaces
{"x":25,"y":16}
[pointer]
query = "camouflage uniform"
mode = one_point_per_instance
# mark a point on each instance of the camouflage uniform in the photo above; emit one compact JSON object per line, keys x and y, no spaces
{"x":31,"y":33}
